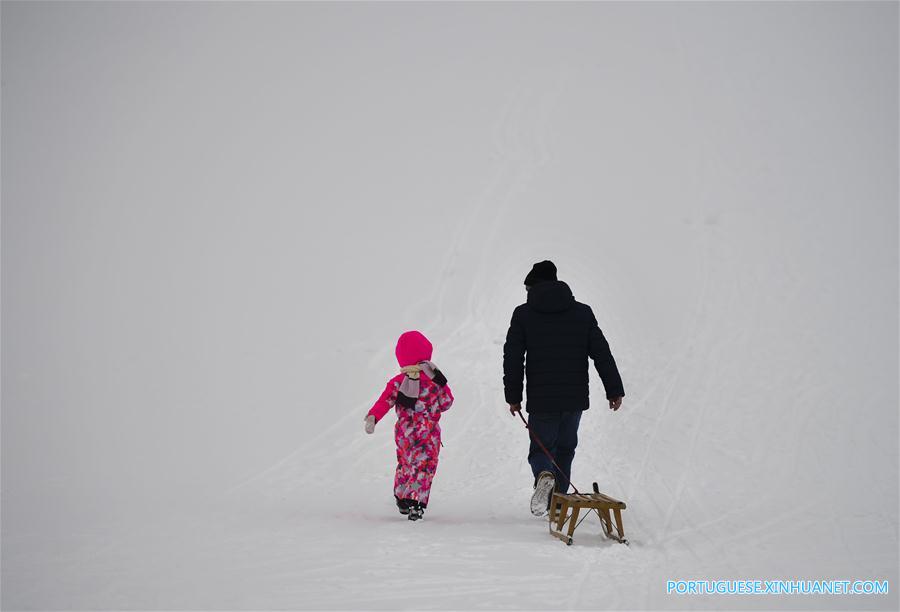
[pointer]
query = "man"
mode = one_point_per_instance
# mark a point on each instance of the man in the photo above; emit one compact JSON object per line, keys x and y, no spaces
{"x":558,"y":335}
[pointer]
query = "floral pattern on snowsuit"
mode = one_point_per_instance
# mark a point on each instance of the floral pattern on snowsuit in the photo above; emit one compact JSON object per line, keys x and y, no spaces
{"x":417,"y":434}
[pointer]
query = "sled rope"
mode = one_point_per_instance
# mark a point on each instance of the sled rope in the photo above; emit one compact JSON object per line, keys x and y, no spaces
{"x":546,"y":452}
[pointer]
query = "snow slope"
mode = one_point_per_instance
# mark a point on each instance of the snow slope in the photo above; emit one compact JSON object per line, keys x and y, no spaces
{"x":718,"y":182}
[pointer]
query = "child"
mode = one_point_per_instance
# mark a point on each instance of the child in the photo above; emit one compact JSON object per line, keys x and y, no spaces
{"x":420,"y":394}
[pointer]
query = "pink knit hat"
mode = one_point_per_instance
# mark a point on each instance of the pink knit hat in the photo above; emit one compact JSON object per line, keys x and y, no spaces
{"x":413,"y":347}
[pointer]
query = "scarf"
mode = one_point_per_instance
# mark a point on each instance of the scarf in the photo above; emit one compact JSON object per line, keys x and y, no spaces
{"x":409,"y":388}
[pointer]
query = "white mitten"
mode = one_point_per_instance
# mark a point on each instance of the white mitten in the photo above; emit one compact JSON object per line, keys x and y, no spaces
{"x":370,"y":424}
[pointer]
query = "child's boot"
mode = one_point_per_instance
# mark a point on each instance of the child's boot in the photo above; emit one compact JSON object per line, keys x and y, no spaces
{"x":403,"y":505}
{"x":416,"y":510}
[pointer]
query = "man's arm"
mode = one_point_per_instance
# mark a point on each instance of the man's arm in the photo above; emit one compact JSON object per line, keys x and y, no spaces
{"x":514,"y":361}
{"x":598,"y":349}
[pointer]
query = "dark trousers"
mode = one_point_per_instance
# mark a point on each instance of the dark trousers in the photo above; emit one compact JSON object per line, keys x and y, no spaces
{"x":558,"y":431}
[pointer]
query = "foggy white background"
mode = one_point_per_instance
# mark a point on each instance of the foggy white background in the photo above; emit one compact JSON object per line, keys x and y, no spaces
{"x":209,"y":212}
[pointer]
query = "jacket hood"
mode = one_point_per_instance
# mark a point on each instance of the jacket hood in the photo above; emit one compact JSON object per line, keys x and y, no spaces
{"x":412,"y":347}
{"x":550,"y":296}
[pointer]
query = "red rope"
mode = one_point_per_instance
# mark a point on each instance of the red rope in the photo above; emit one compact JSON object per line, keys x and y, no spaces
{"x":546,"y":452}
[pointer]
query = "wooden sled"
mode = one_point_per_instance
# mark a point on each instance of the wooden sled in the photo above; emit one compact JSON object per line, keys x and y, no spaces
{"x":571,"y":505}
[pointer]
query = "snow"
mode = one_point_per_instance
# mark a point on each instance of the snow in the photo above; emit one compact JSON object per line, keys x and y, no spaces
{"x":210,"y":211}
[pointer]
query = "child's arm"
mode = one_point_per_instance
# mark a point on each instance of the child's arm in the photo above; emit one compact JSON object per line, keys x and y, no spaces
{"x":387,"y":399}
{"x":445,"y":398}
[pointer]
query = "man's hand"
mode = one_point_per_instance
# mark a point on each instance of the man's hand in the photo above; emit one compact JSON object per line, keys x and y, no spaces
{"x":615,"y":403}
{"x":514,"y":408}
{"x":370,"y":423}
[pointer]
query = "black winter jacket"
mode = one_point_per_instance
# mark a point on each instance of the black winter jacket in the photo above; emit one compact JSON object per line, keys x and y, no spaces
{"x":558,"y":335}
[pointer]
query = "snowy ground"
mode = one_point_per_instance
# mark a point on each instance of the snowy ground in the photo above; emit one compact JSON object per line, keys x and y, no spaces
{"x":199,"y":236}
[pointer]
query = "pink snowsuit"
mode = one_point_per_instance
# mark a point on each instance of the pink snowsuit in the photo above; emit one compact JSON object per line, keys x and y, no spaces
{"x":417,"y":433}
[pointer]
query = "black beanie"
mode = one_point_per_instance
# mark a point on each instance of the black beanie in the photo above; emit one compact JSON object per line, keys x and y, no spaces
{"x":541,"y":271}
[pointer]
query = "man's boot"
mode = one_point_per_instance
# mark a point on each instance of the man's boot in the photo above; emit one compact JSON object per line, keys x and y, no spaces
{"x":543,"y":489}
